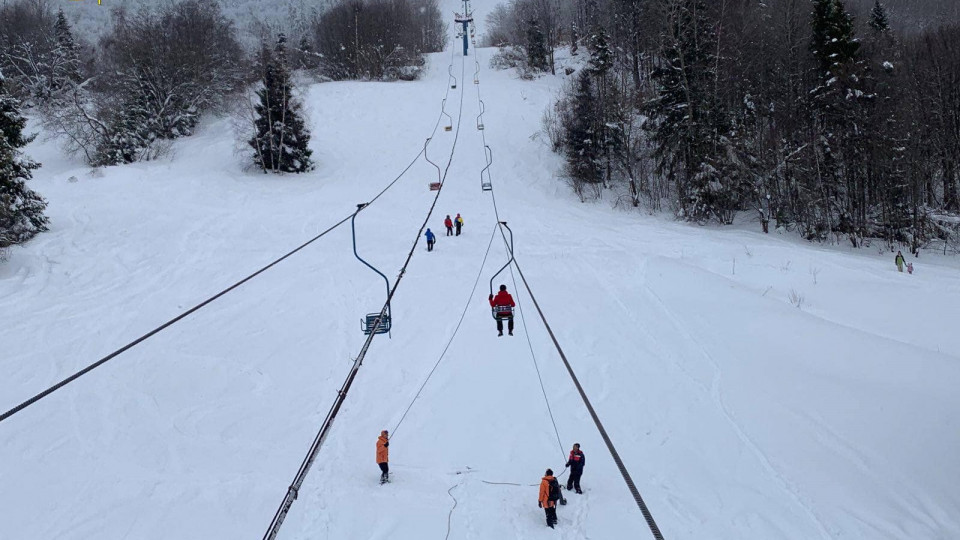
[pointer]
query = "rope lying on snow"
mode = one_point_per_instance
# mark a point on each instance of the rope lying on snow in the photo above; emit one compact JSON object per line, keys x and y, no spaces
{"x":596,"y":419}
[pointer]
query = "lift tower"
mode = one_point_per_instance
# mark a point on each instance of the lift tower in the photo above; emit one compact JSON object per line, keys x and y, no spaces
{"x":466,"y":20}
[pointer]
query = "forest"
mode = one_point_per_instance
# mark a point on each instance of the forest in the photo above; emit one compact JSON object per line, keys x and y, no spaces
{"x":829,"y":117}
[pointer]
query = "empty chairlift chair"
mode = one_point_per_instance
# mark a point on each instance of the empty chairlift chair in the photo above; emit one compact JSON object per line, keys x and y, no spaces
{"x":373,"y":323}
{"x":486,"y":184}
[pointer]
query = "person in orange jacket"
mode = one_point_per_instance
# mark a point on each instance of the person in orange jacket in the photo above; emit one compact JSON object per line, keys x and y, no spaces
{"x":503,"y":305}
{"x":448,"y":223}
{"x":383,"y":456}
{"x":549,"y":495}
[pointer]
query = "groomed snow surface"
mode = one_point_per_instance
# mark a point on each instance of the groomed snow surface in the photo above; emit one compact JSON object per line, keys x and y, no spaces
{"x":738,"y":414}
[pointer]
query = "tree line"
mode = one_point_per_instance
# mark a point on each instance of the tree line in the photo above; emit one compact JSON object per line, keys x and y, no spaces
{"x":837,"y":123}
{"x":155,"y":72}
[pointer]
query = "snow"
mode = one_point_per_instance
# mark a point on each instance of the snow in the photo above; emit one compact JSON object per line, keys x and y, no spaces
{"x":738,"y":414}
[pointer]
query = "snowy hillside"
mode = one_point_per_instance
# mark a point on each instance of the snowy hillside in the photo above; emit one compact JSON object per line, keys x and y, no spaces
{"x":756,"y":386}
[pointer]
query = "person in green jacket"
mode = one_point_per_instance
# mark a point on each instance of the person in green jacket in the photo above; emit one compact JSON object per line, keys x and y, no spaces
{"x":899,"y":261}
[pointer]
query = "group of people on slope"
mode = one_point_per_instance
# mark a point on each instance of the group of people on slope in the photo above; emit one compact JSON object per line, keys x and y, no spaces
{"x":449,"y":224}
{"x":899,"y":261}
{"x":549,"y":485}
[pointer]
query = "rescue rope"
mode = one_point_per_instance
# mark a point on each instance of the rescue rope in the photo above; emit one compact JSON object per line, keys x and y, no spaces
{"x":294,"y":489}
{"x":593,"y":414}
{"x":452,"y":336}
{"x":450,"y":515}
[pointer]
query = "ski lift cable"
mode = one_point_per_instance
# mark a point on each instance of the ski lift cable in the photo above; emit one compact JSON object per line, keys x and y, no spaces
{"x":654,"y":529}
{"x":73,"y":377}
{"x":648,"y":517}
{"x":293,"y":490}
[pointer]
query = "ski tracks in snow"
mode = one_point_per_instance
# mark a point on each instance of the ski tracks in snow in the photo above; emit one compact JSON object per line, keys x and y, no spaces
{"x":716,"y":393}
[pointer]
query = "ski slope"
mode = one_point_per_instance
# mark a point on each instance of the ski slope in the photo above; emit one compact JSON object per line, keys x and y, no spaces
{"x":738,"y":414}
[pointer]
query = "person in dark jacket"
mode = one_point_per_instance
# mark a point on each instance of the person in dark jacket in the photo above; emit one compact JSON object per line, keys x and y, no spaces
{"x":448,"y":223}
{"x":576,"y":462}
{"x":431,"y":239}
{"x":503,"y":305}
{"x":899,"y":261}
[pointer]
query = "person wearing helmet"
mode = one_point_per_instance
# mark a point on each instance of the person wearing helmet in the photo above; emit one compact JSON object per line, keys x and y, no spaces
{"x":503,"y":305}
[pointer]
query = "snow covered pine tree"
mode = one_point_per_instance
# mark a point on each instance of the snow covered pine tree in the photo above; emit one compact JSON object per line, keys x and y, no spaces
{"x":280,"y":138}
{"x":21,"y":209}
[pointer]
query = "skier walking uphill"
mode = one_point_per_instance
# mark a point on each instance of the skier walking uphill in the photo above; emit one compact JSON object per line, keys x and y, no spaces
{"x":899,"y":261}
{"x":431,"y":239}
{"x":549,"y":495}
{"x":459,"y":223}
{"x":576,"y":462}
{"x":448,"y":223}
{"x":503,"y":305}
{"x":383,"y":456}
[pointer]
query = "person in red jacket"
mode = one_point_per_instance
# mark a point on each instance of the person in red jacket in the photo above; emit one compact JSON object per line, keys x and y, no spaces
{"x":503,"y":305}
{"x":448,"y":223}
{"x":576,"y":462}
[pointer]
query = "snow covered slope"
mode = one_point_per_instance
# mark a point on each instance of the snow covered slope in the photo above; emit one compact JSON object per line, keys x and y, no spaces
{"x":739,"y":414}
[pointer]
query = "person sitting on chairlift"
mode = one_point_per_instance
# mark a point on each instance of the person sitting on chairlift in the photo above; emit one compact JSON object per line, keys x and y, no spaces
{"x":503,"y":305}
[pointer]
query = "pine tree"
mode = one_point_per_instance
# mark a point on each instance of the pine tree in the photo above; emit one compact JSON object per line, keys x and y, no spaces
{"x":574,"y":38}
{"x":839,"y":101}
{"x":601,"y":57}
{"x":878,"y":18}
{"x":583,"y":148}
{"x":536,"y":45}
{"x":686,"y":118}
{"x":281,"y":138}
{"x":834,"y":44}
{"x":21,"y":209}
{"x":66,"y":56}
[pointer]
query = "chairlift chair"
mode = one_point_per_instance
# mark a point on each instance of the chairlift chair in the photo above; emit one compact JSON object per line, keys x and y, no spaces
{"x":443,"y":109}
{"x":486,"y":184}
{"x":502,"y":312}
{"x":379,"y":322}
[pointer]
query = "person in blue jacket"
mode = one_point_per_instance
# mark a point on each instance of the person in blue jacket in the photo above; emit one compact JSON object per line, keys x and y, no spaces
{"x":431,"y":240}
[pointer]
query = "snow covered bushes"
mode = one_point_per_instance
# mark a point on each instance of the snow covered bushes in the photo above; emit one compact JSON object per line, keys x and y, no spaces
{"x":512,"y":57}
{"x":38,"y":52}
{"x":376,"y":39}
{"x":160,"y":71}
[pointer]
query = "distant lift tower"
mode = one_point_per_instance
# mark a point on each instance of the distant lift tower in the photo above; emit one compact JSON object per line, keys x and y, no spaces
{"x":465,"y":19}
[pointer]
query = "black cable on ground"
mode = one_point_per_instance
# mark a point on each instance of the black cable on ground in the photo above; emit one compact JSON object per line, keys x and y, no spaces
{"x":596,"y":419}
{"x":452,"y":336}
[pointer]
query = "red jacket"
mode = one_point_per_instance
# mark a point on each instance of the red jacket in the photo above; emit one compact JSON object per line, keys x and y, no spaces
{"x":502,"y":298}
{"x":447,"y":223}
